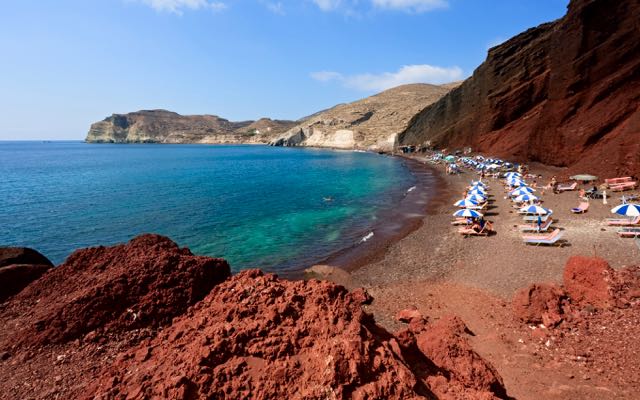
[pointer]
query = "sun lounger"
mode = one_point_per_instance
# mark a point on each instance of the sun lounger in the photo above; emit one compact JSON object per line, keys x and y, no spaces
{"x":550,"y":239}
{"x":615,"y":181}
{"x":620,"y":187}
{"x":581,"y":209}
{"x":622,"y":221}
{"x":629,"y":232}
{"x":534,"y":228}
{"x":461,"y":221}
{"x":567,"y":187}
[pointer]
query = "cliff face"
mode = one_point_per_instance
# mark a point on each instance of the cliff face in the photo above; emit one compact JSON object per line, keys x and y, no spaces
{"x":371,"y":123}
{"x":161,"y":126}
{"x":566,"y":93}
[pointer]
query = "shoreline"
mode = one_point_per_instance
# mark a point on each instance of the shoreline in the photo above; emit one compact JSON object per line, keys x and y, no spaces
{"x":394,"y":224}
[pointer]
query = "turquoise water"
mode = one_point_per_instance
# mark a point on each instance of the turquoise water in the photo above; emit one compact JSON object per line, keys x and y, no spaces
{"x":256,"y":206}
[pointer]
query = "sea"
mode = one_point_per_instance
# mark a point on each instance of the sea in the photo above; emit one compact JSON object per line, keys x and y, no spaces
{"x":279,"y":209}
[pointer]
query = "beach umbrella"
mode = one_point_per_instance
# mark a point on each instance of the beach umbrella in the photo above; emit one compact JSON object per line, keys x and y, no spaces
{"x":478,"y":183}
{"x":477,"y":191}
{"x":449,"y":158}
{"x":465,"y":203}
{"x":522,"y":190}
{"x":467,"y":213}
{"x":513,"y":175}
{"x":493,"y":166}
{"x":516,"y":182}
{"x":630,"y":210}
{"x":525,"y":198}
{"x":584,"y":178}
{"x":477,"y":198}
{"x":534,"y":210}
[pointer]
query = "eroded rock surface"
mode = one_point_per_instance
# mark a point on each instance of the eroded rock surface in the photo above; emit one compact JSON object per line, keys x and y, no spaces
{"x":144,"y":283}
{"x":565,"y":93}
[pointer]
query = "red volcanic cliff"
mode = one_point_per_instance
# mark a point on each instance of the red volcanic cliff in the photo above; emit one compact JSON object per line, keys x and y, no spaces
{"x":565,"y":93}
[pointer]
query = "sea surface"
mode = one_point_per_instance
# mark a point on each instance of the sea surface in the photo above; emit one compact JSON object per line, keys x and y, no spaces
{"x":276,"y":208}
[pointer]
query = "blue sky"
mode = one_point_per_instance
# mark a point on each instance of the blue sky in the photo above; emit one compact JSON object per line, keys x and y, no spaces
{"x":68,"y":63}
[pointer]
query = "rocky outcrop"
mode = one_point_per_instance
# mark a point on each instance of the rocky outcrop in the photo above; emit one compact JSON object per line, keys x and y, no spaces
{"x":20,"y":266}
{"x":372,"y":123}
{"x":589,"y":283}
{"x":145,"y":282}
{"x":161,"y":126}
{"x":565,"y":93}
{"x":147,"y":319}
{"x":258,"y":336}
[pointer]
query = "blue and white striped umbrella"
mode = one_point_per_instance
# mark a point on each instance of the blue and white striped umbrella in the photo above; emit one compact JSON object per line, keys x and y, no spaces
{"x":477,"y":191}
{"x":534,"y":210}
{"x":521,"y":190}
{"x":477,"y":198}
{"x":516,"y":182}
{"x":465,"y":203}
{"x":467,"y":213}
{"x":630,"y":210}
{"x":512,"y":175}
{"x":525,"y":198}
{"x":478,"y":183}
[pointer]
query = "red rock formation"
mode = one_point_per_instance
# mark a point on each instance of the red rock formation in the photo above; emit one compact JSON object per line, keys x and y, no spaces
{"x":261,"y":337}
{"x":540,"y":303}
{"x":589,"y":281}
{"x":145,"y":282}
{"x":566,"y":93}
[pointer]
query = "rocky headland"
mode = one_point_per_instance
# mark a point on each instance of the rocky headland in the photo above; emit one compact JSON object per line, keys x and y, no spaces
{"x":372,"y":123}
{"x":162,"y":126}
{"x":565,"y":93}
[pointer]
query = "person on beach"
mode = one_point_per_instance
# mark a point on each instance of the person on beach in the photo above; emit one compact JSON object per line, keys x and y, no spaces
{"x":539,"y":223}
{"x":554,"y":185}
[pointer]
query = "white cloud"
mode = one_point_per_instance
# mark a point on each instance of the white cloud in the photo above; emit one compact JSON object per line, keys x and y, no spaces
{"x":274,"y":7}
{"x":417,"y":6}
{"x":326,"y":76}
{"x":351,"y":6}
{"x":176,"y":6}
{"x":328,"y":5}
{"x":422,"y":73}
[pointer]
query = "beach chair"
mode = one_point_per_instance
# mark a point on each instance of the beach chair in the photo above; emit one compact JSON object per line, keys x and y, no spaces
{"x":620,"y":187}
{"x":616,"y":181}
{"x":567,"y":187}
{"x":629,"y":232}
{"x":534,"y":228}
{"x":622,"y":221}
{"x":461,"y":221}
{"x":581,"y":209}
{"x":550,"y":239}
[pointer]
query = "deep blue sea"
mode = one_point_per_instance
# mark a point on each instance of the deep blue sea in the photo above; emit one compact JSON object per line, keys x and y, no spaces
{"x":274,"y":208}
